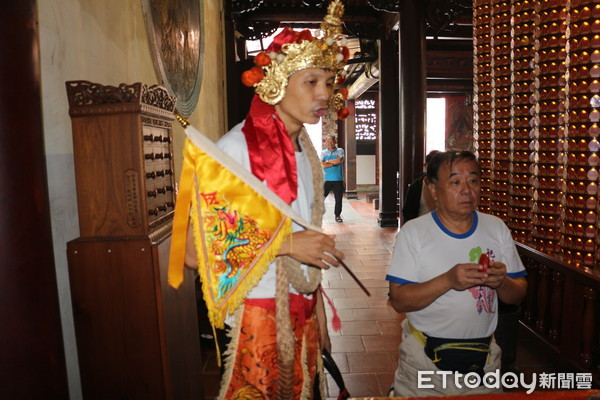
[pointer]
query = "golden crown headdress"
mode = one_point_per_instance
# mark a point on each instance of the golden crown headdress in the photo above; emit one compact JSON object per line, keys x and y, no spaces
{"x":293,"y":51}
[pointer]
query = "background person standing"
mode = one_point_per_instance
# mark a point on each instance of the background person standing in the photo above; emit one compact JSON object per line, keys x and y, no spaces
{"x":331,"y":160}
{"x":418,"y":199}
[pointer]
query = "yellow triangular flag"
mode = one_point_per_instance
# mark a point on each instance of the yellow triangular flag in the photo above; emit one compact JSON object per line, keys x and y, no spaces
{"x":238,"y":223}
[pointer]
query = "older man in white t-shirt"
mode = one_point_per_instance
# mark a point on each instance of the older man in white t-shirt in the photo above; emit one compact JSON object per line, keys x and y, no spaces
{"x":450,"y":300}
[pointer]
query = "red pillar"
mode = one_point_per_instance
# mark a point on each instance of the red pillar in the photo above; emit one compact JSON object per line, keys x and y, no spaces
{"x":32,"y":358}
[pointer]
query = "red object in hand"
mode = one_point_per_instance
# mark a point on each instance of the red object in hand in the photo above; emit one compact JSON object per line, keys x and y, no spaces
{"x":484,"y":261}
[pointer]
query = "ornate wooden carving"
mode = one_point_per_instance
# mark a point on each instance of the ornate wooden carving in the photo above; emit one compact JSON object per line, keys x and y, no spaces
{"x":123,"y":156}
{"x":385,"y":5}
{"x":313,"y":3}
{"x":257,"y":29}
{"x":85,"y":93}
{"x":242,"y":6}
{"x":441,"y":14}
{"x":362,"y":29}
{"x":571,"y":330}
{"x":123,"y":148}
{"x":86,"y":98}
{"x":557,"y":306}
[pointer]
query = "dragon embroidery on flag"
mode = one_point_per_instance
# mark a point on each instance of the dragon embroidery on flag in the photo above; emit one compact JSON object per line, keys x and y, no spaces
{"x":233,"y":239}
{"x":238,"y":226}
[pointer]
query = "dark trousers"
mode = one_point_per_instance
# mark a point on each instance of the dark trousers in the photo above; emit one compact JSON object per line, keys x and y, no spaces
{"x":338,"y":192}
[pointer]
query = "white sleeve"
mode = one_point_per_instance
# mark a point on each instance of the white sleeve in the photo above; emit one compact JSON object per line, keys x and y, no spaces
{"x":234,"y":145}
{"x":510,"y":255}
{"x":403,"y":267}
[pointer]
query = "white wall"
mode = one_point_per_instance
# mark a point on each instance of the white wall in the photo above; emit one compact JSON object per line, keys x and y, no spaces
{"x":102,"y":42}
{"x":365,"y":170}
{"x":105,"y":42}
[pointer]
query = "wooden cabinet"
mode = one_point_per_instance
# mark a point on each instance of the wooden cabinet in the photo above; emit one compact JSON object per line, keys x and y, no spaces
{"x":137,"y":337}
{"x":122,"y":144}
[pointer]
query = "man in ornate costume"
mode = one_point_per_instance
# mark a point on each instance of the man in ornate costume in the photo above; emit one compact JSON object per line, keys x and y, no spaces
{"x":276,"y":335}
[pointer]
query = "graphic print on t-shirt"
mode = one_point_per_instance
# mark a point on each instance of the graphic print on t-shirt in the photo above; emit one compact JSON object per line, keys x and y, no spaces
{"x":483,"y":294}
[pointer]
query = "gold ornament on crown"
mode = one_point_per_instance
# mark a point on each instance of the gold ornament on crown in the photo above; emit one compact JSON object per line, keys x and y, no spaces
{"x":270,"y":76}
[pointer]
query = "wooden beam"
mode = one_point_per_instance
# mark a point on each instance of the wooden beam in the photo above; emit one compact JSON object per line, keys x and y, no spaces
{"x":456,"y":31}
{"x":305,"y":15}
{"x":453,"y":45}
{"x":449,"y":86}
{"x":450,"y":64}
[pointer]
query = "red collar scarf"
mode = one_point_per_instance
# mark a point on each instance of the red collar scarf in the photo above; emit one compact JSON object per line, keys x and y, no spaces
{"x":271,"y":150}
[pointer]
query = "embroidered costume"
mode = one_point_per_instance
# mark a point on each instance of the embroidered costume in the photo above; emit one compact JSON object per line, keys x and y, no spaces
{"x":254,"y":359}
{"x":268,"y":301}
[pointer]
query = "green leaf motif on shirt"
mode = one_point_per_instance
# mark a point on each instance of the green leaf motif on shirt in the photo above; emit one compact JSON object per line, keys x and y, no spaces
{"x":474,"y":254}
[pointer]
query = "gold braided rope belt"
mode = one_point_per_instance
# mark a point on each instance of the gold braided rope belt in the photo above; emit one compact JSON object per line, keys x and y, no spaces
{"x":290,"y":272}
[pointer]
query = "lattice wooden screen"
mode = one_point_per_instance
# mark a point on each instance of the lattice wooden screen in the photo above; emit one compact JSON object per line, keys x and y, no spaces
{"x":536,"y":114}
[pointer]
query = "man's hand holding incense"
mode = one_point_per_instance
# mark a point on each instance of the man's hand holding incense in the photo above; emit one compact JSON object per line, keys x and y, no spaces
{"x":313,"y":248}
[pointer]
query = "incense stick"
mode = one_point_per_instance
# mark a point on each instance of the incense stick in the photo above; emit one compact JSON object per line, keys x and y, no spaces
{"x":354,"y":277}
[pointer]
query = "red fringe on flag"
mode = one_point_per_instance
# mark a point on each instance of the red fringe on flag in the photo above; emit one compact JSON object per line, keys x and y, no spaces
{"x":336,"y":323}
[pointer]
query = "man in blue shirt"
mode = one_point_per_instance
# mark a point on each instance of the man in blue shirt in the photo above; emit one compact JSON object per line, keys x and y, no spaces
{"x":331,"y":160}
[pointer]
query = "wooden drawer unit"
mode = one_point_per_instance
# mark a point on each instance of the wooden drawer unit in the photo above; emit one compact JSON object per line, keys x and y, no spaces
{"x":123,"y":148}
{"x":137,"y":337}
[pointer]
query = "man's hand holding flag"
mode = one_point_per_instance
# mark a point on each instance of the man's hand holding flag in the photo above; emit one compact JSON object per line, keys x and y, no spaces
{"x":238,"y":223}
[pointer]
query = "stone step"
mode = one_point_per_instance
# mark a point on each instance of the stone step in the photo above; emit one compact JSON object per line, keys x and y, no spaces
{"x":371,"y":196}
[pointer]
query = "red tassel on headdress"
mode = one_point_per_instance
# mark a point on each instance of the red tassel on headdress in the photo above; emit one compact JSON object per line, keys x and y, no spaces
{"x":262,"y":60}
{"x":304,"y":35}
{"x":252,"y":76}
{"x":336,"y":323}
{"x":343,"y":113}
{"x":288,"y":35}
